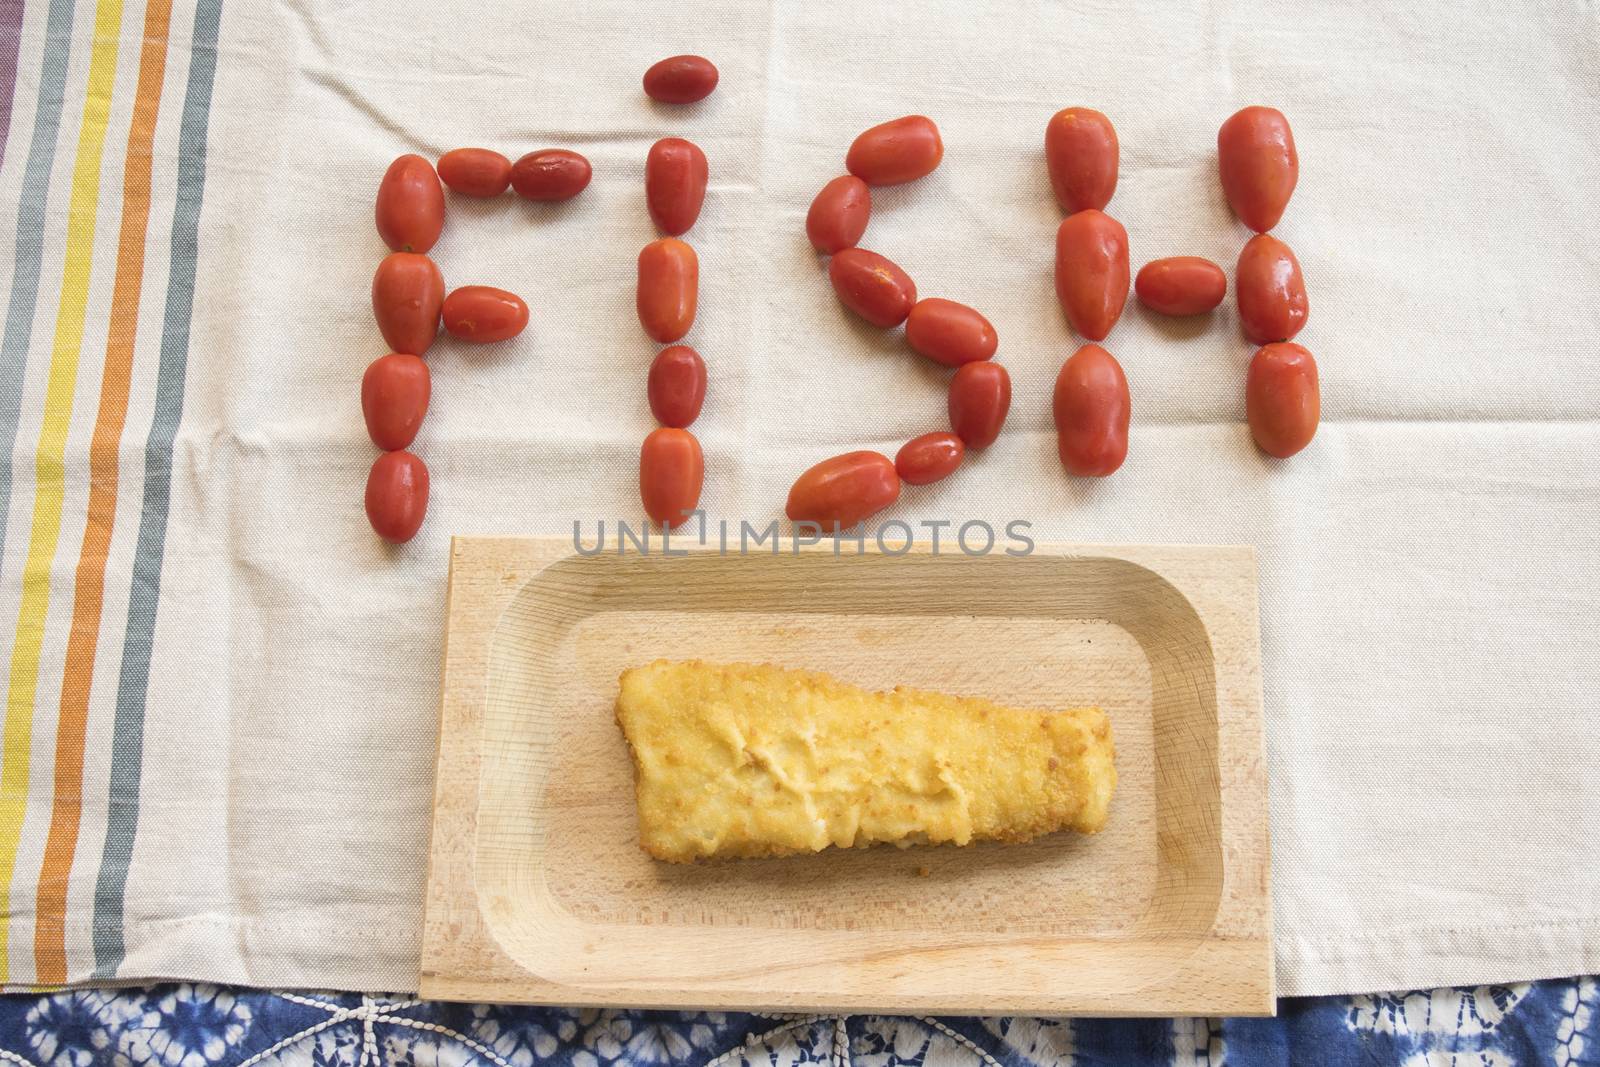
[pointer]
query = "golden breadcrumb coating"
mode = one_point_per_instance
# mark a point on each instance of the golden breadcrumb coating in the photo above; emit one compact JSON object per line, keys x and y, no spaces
{"x":745,"y":760}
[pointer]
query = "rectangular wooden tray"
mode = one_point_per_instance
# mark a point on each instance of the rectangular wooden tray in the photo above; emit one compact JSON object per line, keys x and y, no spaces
{"x":538,"y":892}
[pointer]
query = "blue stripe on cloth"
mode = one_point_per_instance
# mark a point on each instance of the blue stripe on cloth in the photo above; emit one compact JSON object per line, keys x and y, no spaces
{"x":127,"y":742}
{"x":25,"y":265}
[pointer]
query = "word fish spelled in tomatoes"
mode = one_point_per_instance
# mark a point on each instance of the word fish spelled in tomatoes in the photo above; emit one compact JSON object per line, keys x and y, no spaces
{"x":1258,"y":167}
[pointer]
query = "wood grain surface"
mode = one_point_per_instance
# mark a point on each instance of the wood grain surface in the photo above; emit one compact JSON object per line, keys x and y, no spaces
{"x":538,"y":892}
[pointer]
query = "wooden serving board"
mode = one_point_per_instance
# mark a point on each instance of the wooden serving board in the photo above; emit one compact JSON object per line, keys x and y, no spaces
{"x":538,"y":892}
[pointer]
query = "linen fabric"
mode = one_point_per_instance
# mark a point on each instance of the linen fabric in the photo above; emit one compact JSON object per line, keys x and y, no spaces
{"x":221,"y":688}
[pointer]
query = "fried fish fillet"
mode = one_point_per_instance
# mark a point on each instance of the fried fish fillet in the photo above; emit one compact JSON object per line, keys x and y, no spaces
{"x":745,"y":760}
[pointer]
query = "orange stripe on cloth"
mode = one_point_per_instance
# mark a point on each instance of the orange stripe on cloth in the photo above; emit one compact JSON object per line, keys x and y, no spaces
{"x":50,"y":457}
{"x":50,"y":954}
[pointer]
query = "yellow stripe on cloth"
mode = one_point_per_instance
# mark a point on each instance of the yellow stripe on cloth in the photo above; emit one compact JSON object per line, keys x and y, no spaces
{"x":49,"y":459}
{"x":88,"y":596}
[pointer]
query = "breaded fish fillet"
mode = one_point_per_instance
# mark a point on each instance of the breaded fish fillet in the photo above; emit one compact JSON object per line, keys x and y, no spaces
{"x":743,"y":760}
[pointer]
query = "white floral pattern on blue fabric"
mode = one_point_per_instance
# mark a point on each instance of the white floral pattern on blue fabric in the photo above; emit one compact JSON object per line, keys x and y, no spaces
{"x":1197,"y":1043}
{"x":333,"y":1047}
{"x":520,"y":1038}
{"x":1034,"y":1040}
{"x":1464,"y":1012}
{"x":189,"y":1025}
{"x":892,"y":1041}
{"x":647,"y":1038}
{"x":183,"y":1026}
{"x":1575,"y":1032}
{"x":68,"y":1030}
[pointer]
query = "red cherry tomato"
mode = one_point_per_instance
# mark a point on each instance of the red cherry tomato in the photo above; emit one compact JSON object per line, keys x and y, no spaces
{"x":840,"y":492}
{"x":410,"y":209}
{"x":1181,"y":285}
{"x":674,"y":184}
{"x":872,"y":287}
{"x":1091,"y":410}
{"x":677,"y":386}
{"x":980,"y":397}
{"x":680,"y":80}
{"x":483,"y":313}
{"x":950,"y":333}
{"x":1256,"y":156}
{"x":394,"y":398}
{"x":475,"y":172}
{"x":902,"y":150}
{"x":671,"y":470}
{"x":669,"y":287}
{"x":407,"y":294}
{"x":397,"y":496}
{"x":550,"y":174}
{"x":1080,"y":148}
{"x":1282,"y":399}
{"x":1270,"y":290}
{"x":1092,"y":271}
{"x":929,"y":458}
{"x":838,"y":216}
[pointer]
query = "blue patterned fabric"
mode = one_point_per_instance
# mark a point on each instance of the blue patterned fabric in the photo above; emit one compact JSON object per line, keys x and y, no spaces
{"x":1556,"y":1022}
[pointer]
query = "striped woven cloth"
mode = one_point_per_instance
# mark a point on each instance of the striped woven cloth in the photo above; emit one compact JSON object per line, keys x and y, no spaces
{"x":103,"y":110}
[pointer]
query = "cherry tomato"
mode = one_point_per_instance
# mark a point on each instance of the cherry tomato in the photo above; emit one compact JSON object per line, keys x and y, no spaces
{"x":902,"y":150}
{"x":677,"y":386}
{"x":483,"y":313}
{"x":550,"y":174}
{"x":929,"y":458}
{"x":1092,"y":271}
{"x":669,"y":284}
{"x":838,"y":216}
{"x":674,"y":184}
{"x":397,"y":496}
{"x":980,"y":397}
{"x":1181,"y":285}
{"x":872,"y":287}
{"x":1282,"y":399}
{"x":680,"y":80}
{"x":671,"y":470}
{"x":394,"y":398}
{"x":1080,"y":148}
{"x":475,"y":172}
{"x":840,"y":492}
{"x":1256,"y":156}
{"x":407,"y":294}
{"x":1091,"y":410}
{"x":950,"y":333}
{"x":1270,"y":290}
{"x":410,"y":210}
